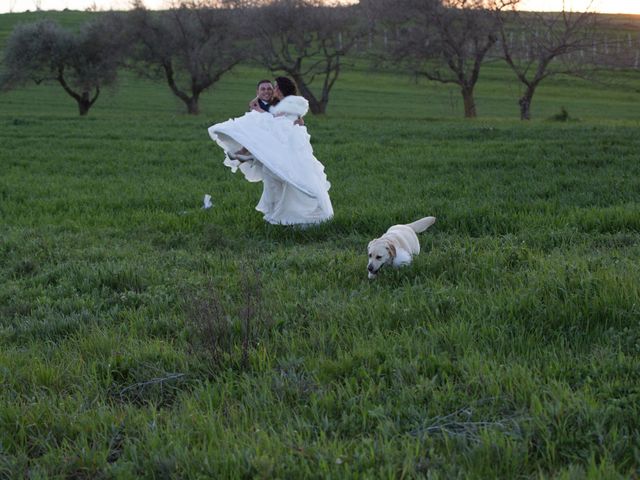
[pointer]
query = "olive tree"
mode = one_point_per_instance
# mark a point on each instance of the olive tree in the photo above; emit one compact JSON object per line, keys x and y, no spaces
{"x":448,"y":41}
{"x":306,"y":40}
{"x":81,"y":63}
{"x":190,"y":47}
{"x":538,"y":45}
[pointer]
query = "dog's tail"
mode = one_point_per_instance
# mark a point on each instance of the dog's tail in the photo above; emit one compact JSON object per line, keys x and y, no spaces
{"x":422,"y":224}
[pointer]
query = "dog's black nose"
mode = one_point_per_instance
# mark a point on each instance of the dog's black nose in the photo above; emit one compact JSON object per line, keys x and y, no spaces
{"x":370,"y":268}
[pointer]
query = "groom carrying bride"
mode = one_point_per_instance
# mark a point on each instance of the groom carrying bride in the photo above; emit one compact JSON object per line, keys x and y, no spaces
{"x":264,"y":100}
{"x":295,"y":187}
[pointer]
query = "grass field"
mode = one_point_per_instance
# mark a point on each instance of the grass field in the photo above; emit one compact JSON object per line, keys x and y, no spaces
{"x":142,"y":336}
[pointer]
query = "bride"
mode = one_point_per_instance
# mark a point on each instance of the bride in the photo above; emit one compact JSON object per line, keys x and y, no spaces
{"x":279,"y":153}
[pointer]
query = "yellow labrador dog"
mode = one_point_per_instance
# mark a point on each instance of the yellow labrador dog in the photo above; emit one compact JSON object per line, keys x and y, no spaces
{"x":397,"y":246}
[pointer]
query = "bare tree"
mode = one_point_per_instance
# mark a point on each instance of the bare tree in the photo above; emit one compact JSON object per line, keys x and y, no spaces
{"x":307,"y":40}
{"x":447,"y":41}
{"x":190,"y":47}
{"x":538,"y":45}
{"x":81,"y":63}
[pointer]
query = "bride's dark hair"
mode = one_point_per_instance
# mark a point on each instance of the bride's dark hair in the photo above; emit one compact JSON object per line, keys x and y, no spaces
{"x":286,"y":86}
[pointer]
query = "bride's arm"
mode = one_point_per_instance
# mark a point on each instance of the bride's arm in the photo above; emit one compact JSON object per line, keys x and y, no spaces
{"x":293,"y":108}
{"x":297,"y":121}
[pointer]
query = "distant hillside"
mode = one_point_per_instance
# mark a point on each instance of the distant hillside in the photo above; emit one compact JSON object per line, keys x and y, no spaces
{"x":616,"y":24}
{"x":67,"y":18}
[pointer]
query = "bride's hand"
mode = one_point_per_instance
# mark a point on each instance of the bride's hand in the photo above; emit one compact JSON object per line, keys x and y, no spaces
{"x":254,"y":105}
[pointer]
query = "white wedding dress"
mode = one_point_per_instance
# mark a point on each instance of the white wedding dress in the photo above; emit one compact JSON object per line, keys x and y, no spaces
{"x":295,"y":185}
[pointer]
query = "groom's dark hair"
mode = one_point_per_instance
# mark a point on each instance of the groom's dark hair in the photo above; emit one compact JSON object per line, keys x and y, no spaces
{"x":261,"y":82}
{"x":286,"y":86}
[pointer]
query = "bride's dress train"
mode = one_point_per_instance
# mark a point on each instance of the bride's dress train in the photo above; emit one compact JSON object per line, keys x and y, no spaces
{"x":295,"y":185}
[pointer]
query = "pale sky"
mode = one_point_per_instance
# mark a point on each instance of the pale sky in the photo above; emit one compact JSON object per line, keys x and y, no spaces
{"x":603,"y":6}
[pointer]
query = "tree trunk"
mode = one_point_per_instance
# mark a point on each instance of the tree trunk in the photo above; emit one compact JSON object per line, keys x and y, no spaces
{"x":83,"y":99}
{"x":469,"y":103}
{"x":193,"y":108}
{"x":525,"y":104}
{"x":316,"y":106}
{"x":84,"y":103}
{"x":190,"y":101}
{"x":83,"y":107}
{"x":192,"y":105}
{"x":525,"y":108}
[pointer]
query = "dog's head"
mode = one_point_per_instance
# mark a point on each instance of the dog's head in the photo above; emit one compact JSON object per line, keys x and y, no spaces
{"x":381,"y":252}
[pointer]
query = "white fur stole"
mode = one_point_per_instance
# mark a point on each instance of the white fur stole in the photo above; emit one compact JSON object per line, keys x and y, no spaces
{"x":291,"y":105}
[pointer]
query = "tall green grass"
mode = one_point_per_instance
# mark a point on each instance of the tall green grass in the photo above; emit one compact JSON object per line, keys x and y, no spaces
{"x":142,"y":336}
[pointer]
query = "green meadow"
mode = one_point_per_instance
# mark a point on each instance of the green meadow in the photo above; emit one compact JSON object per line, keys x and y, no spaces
{"x":142,"y":336}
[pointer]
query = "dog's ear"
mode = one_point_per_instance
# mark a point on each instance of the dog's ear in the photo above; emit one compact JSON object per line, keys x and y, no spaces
{"x":391,"y":248}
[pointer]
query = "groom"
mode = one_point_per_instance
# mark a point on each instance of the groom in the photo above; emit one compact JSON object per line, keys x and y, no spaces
{"x":264,"y":96}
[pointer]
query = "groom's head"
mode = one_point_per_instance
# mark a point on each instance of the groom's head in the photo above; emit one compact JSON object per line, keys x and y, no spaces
{"x":265,"y":90}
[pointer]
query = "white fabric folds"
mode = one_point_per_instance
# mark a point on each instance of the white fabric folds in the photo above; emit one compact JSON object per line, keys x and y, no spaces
{"x":295,"y":185}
